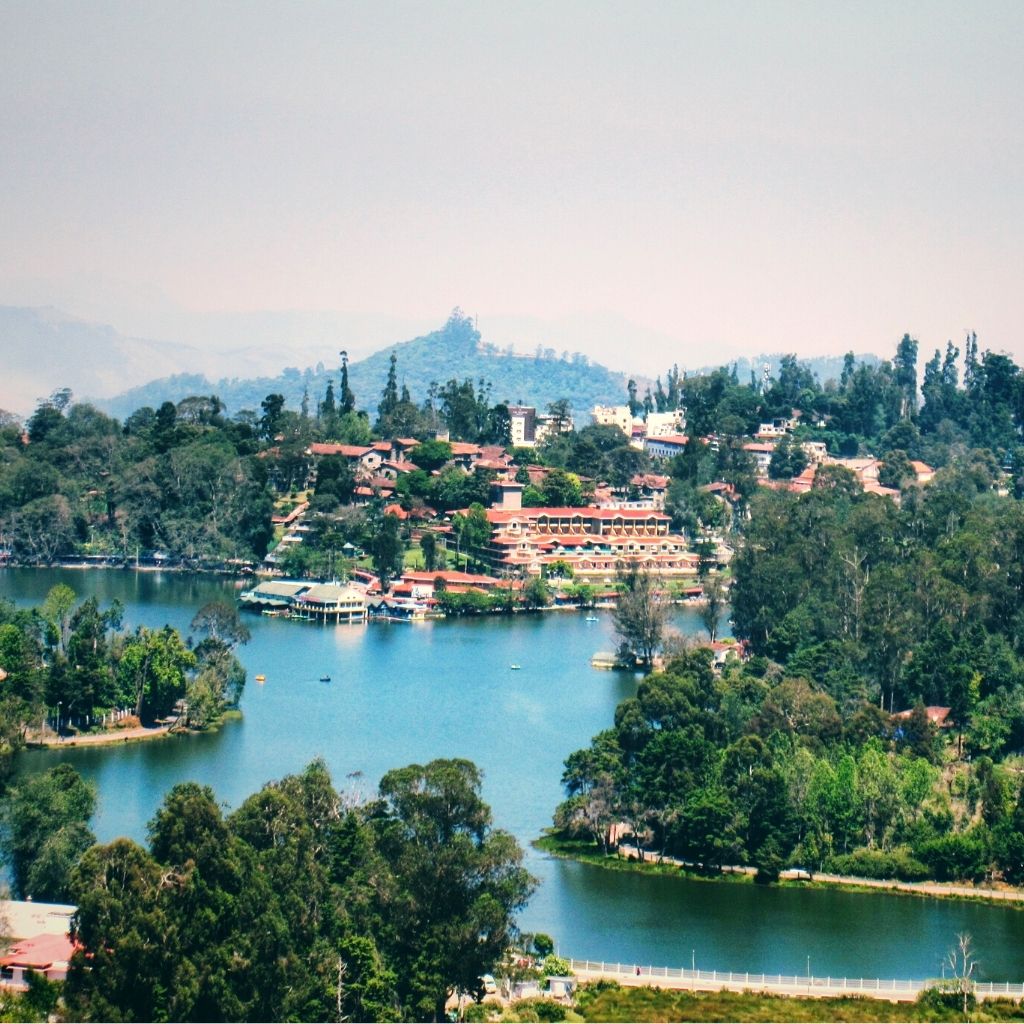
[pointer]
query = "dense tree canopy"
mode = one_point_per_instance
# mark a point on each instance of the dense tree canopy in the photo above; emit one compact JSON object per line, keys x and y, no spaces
{"x":45,"y":830}
{"x":300,"y":905}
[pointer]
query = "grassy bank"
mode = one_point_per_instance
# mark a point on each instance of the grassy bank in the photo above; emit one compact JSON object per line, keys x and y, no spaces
{"x":588,"y":853}
{"x":614,"y":1003}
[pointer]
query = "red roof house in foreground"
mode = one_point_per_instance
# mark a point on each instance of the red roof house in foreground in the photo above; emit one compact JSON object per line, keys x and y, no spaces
{"x":45,"y":954}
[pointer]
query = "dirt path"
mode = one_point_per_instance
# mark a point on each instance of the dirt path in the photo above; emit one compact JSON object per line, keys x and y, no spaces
{"x":97,"y":739}
{"x":891,"y":884}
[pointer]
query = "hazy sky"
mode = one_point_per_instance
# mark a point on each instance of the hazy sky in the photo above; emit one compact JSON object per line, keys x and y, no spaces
{"x":652,"y":182}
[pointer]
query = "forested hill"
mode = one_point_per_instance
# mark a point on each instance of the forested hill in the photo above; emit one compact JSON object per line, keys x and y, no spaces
{"x":456,"y":351}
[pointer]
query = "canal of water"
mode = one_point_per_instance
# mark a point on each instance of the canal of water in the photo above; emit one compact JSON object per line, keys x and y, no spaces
{"x":411,"y":692}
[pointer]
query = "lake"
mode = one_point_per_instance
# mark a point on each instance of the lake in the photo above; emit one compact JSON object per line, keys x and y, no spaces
{"x":411,"y":692}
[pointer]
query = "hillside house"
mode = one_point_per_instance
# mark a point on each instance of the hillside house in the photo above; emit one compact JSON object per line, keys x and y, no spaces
{"x":42,"y":943}
{"x":362,"y":458}
{"x":762,"y":452}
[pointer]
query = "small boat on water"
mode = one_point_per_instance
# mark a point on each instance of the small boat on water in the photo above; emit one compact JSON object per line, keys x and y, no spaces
{"x":325,"y":679}
{"x":515,"y":667}
{"x":591,"y":618}
{"x":261,"y":679}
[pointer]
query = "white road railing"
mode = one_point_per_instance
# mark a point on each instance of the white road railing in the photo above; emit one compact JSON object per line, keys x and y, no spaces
{"x":789,"y":984}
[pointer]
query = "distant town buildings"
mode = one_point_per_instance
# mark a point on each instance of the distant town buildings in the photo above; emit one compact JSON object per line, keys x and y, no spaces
{"x":529,"y":428}
{"x":640,"y":429}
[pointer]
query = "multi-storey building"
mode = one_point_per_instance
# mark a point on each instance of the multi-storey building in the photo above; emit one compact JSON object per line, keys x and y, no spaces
{"x":614,"y":416}
{"x":665,"y":424}
{"x":523,"y":425}
{"x":527,"y":429}
{"x":595,"y":542}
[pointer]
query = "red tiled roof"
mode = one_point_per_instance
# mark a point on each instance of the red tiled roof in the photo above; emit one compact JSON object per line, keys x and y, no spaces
{"x":350,"y":451}
{"x":937,"y":715}
{"x":583,"y":512}
{"x":292,"y":516}
{"x":39,"y":952}
{"x":450,"y":576}
{"x":871,"y":487}
{"x":653,"y":480}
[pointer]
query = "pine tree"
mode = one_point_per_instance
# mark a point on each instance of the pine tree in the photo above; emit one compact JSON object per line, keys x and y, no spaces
{"x":347,"y":400}
{"x":389,"y":396}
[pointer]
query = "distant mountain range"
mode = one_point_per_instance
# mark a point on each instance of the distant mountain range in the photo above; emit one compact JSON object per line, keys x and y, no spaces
{"x":44,"y":349}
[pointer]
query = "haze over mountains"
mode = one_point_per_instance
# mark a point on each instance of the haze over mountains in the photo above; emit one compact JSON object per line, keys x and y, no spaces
{"x":455,"y":351}
{"x":45,"y":349}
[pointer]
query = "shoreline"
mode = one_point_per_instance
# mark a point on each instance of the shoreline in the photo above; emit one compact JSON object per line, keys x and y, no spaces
{"x":137,"y":734}
{"x":148,"y":567}
{"x":107,"y":738}
{"x":789,"y":878}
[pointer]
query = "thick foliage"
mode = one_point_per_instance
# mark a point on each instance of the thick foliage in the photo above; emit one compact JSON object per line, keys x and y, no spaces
{"x":300,"y":905}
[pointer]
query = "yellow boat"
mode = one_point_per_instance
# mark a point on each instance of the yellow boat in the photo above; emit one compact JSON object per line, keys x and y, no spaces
{"x":261,"y":679}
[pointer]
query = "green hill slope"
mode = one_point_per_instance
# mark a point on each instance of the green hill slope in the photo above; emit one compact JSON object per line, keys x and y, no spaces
{"x":456,"y":351}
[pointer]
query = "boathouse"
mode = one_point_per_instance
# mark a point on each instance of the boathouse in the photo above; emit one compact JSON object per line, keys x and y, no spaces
{"x":324,"y":602}
{"x":338,"y":602}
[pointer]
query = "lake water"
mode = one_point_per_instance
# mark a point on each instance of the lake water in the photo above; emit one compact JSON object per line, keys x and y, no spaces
{"x":411,"y":692}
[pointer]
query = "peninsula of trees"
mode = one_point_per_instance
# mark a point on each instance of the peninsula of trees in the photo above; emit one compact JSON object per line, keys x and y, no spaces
{"x":69,"y":664}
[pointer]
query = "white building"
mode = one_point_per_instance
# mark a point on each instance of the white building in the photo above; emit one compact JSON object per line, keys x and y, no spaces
{"x":614,"y":416}
{"x":528,"y":429}
{"x":523,"y":420}
{"x":664,"y":424}
{"x":665,"y":447}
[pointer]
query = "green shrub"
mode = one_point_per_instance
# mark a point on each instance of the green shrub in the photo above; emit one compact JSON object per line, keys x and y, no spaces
{"x":555,"y":966}
{"x":864,"y":863}
{"x":955,"y":857}
{"x":542,"y":1010}
{"x":938,"y":999}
